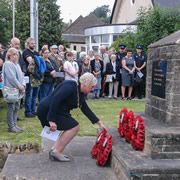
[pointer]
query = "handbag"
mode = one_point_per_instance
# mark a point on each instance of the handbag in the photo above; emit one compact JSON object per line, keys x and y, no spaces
{"x":11,"y":95}
{"x":0,"y":77}
{"x":109,"y":78}
{"x":137,"y":79}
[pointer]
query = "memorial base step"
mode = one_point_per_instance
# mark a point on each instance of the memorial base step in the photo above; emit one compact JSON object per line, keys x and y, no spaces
{"x":129,"y":164}
{"x":162,"y":141}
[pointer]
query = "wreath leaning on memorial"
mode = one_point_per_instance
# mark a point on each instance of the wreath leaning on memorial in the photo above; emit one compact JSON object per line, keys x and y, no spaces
{"x":102,"y":148}
{"x":132,"y":128}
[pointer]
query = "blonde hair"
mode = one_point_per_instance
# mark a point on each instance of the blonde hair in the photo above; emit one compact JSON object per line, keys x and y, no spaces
{"x":88,"y":79}
{"x":10,"y":52}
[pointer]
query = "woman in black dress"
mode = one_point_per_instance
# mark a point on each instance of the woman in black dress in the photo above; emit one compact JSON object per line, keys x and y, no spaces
{"x":54,"y":111}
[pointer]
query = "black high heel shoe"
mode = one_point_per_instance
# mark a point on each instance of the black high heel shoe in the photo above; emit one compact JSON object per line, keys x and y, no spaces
{"x":129,"y":98}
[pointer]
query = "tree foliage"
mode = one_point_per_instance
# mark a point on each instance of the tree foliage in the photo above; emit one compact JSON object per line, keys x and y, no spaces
{"x":50,"y":23}
{"x":156,"y":23}
{"x":153,"y":24}
{"x":22,"y":20}
{"x":5,"y":21}
{"x":103,"y":13}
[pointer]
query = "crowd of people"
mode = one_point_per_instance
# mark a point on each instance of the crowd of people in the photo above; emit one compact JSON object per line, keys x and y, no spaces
{"x":37,"y":74}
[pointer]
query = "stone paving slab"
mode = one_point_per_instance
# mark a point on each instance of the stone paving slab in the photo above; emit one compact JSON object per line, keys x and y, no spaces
{"x":38,"y":166}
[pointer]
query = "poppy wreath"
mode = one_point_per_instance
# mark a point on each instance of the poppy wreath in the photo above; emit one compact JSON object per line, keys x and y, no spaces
{"x":102,"y":148}
{"x":104,"y":152}
{"x":128,"y":126}
{"x":122,"y":118}
{"x":99,"y":141}
{"x":138,"y":136}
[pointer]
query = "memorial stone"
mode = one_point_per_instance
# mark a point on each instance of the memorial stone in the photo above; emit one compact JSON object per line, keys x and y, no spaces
{"x":163,"y":80}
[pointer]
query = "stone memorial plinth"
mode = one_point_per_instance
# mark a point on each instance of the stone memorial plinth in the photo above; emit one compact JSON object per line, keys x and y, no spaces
{"x":163,"y":80}
{"x":160,"y":159}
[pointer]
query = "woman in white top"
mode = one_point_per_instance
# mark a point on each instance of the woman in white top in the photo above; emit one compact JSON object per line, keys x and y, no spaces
{"x":71,"y":68}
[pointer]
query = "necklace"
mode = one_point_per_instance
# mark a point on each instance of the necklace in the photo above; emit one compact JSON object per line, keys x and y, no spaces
{"x":78,"y":101}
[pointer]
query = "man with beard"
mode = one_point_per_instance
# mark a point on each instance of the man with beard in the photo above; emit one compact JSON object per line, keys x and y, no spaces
{"x":31,"y":92}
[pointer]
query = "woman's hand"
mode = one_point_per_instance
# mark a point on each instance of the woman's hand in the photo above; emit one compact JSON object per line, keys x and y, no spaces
{"x":101,"y":125}
{"x":22,"y":88}
{"x":130,"y":72}
{"x":52,"y":73}
{"x":53,"y":126}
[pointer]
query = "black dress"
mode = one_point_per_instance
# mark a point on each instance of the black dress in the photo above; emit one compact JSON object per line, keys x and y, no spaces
{"x":56,"y":107}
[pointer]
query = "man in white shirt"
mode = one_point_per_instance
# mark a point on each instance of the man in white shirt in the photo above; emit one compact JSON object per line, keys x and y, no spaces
{"x":71,"y":68}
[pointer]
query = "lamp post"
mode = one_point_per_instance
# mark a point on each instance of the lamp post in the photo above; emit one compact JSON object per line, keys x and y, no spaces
{"x":13,"y":18}
{"x":34,"y":21}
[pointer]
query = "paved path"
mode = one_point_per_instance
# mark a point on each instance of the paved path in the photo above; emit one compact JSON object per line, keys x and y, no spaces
{"x":38,"y":166}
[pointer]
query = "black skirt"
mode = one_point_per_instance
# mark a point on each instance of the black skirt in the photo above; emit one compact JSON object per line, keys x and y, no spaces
{"x":64,"y":121}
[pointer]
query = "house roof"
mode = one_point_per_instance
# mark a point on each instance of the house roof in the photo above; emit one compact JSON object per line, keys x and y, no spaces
{"x":162,"y":3}
{"x":166,"y":3}
{"x":74,"y":38}
{"x":75,"y":32}
{"x":112,"y":14}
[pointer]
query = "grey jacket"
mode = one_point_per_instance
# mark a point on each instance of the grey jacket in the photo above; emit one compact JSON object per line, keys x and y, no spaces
{"x":12,"y":75}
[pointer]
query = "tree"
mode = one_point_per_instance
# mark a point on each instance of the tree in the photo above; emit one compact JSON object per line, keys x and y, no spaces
{"x":50,"y":23}
{"x":22,"y":20}
{"x":156,"y":23}
{"x":103,"y":13}
{"x":5,"y":21}
{"x":153,"y":24}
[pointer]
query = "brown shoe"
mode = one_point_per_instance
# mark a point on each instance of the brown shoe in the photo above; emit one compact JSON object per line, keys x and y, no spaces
{"x":30,"y":115}
{"x":34,"y":113}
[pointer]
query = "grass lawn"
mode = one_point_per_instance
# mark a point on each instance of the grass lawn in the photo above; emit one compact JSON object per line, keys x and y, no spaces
{"x":106,"y":110}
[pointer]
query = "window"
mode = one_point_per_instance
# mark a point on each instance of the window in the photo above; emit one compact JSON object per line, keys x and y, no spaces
{"x":95,"y":48}
{"x":115,"y":37}
{"x":74,"y":47}
{"x":95,"y":39}
{"x":132,"y":2}
{"x":87,"y":40}
{"x":104,"y":38}
{"x":83,"y":48}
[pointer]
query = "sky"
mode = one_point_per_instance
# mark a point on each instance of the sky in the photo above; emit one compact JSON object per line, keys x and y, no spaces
{"x":72,"y":9}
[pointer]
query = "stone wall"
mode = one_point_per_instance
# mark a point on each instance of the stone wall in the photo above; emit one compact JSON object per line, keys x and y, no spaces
{"x":8,"y":148}
{"x":166,"y":110}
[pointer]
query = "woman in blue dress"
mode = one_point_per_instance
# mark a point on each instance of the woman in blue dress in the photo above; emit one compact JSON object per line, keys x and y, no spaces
{"x":54,"y":111}
{"x":128,"y":67}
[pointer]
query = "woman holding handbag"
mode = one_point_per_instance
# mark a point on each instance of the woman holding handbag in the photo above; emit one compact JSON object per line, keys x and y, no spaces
{"x":96,"y":70}
{"x":112,"y":76}
{"x":13,"y":81}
